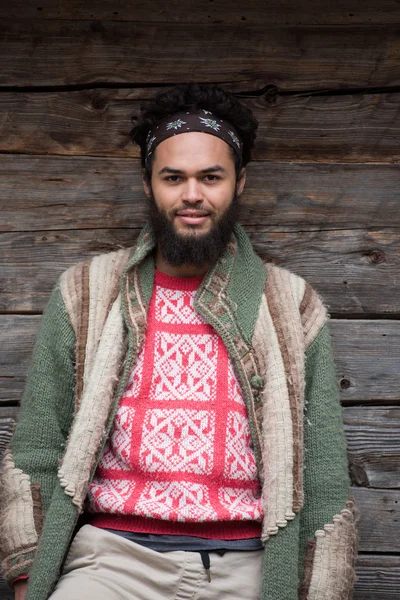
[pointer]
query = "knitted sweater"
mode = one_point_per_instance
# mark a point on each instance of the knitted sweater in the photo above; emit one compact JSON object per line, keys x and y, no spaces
{"x":275,"y":329}
{"x":178,"y":459}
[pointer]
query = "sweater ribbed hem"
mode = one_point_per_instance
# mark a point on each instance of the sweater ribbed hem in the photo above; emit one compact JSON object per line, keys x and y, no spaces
{"x":219,"y":530}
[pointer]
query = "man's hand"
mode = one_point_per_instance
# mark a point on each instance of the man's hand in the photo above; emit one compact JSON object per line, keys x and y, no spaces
{"x":20,"y":589}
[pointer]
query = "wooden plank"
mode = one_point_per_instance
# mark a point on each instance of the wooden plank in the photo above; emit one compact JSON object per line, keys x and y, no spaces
{"x":293,"y":58}
{"x":356,"y":271}
{"x":275,"y":12}
{"x":378,"y":577}
{"x":367,"y":356}
{"x":17,"y":334}
{"x":373,"y":436}
{"x":96,"y":122}
{"x":32,"y":262}
{"x":52,"y":193}
{"x":378,"y":528}
{"x":380,"y":511}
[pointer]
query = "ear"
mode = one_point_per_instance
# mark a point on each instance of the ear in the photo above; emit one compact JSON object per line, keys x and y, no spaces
{"x":241,"y":182}
{"x":146,"y":184}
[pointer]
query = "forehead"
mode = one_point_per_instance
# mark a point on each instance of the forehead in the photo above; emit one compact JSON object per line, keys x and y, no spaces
{"x":193,"y":151}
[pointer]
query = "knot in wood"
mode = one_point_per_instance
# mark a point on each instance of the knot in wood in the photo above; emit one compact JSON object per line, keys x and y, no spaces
{"x":376,"y":256}
{"x":344,"y":383}
{"x":271,"y":94}
{"x":99,"y":103}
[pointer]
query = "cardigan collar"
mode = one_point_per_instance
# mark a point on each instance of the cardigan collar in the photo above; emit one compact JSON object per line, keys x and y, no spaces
{"x":236,"y":281}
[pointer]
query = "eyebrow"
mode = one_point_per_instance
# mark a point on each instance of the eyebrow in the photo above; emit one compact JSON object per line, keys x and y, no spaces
{"x":213,"y":169}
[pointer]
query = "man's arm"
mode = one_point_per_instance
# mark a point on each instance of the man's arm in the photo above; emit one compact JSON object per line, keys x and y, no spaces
{"x":328,"y":532}
{"x":30,"y":464}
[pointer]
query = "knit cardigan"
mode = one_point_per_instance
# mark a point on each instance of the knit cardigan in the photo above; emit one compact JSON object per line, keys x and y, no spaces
{"x":275,"y":328}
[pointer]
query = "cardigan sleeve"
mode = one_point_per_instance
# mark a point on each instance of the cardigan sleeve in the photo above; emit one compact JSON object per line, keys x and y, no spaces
{"x":30,"y":464}
{"x":328,"y":518}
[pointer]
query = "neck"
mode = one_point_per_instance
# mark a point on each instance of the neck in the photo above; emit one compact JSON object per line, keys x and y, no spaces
{"x":181,"y":271}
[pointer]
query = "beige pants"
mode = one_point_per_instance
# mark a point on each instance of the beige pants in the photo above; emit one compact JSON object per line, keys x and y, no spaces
{"x":104,"y":566}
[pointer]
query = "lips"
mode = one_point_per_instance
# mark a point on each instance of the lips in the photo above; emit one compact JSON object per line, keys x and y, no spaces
{"x":192,"y":213}
{"x":192,"y":217}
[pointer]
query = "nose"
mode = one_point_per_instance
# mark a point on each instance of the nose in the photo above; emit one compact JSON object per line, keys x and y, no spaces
{"x":192,"y":191}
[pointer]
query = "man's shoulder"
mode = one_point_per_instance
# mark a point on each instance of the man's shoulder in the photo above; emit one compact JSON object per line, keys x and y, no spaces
{"x":284,"y":284}
{"x":100,"y":265}
{"x":283,"y":280}
{"x":93,"y":281}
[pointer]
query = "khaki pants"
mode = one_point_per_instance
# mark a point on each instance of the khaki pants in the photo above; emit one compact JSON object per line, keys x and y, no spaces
{"x":104,"y":566}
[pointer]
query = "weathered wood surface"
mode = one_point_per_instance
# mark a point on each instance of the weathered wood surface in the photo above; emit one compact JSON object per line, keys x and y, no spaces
{"x":372,"y":436}
{"x":51,"y":193}
{"x":356,"y":271}
{"x":367,"y":355}
{"x":222,"y":12}
{"x":96,"y":122}
{"x":379,"y":508}
{"x":379,"y":519}
{"x":378,"y":579}
{"x":377,"y":575}
{"x":373,"y":442}
{"x":293,"y":58}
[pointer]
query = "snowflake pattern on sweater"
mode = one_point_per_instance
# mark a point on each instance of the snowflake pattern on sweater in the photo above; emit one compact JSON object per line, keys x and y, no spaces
{"x":180,"y":448}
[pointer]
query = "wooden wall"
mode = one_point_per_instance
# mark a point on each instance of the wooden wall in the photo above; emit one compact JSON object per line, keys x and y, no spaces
{"x":323,"y":78}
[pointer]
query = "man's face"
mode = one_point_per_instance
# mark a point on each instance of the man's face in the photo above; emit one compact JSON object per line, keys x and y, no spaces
{"x":192,"y":195}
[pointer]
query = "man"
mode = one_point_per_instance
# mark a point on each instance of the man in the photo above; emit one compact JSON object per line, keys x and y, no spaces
{"x":181,"y":422}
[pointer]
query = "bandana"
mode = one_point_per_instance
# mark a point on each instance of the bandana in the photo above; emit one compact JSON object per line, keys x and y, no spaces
{"x":185,"y":121}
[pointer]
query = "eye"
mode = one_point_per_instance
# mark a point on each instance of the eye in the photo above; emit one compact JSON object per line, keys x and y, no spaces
{"x":212,"y":178}
{"x":172,"y":178}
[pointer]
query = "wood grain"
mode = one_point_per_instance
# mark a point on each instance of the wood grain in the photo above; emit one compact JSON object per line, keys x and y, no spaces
{"x":275,"y":12}
{"x":367,"y":356}
{"x":378,"y":578}
{"x":379,"y":519}
{"x":96,"y":122}
{"x":372,"y":436}
{"x":53,"y":193}
{"x":356,"y":271}
{"x":379,"y":508}
{"x":114,"y":52}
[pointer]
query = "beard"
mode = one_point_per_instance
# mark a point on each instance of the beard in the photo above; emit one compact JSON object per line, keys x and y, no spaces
{"x":196,"y":248}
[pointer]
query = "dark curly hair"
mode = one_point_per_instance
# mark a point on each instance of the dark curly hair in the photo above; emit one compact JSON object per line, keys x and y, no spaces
{"x":196,"y":96}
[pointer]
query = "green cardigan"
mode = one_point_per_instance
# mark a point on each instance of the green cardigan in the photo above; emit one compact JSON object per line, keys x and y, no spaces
{"x":275,"y":328}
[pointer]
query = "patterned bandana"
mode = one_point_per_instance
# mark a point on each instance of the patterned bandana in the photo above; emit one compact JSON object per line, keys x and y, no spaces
{"x":185,"y":121}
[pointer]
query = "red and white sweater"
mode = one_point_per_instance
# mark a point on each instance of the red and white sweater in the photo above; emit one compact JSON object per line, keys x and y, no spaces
{"x":179,"y":457}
